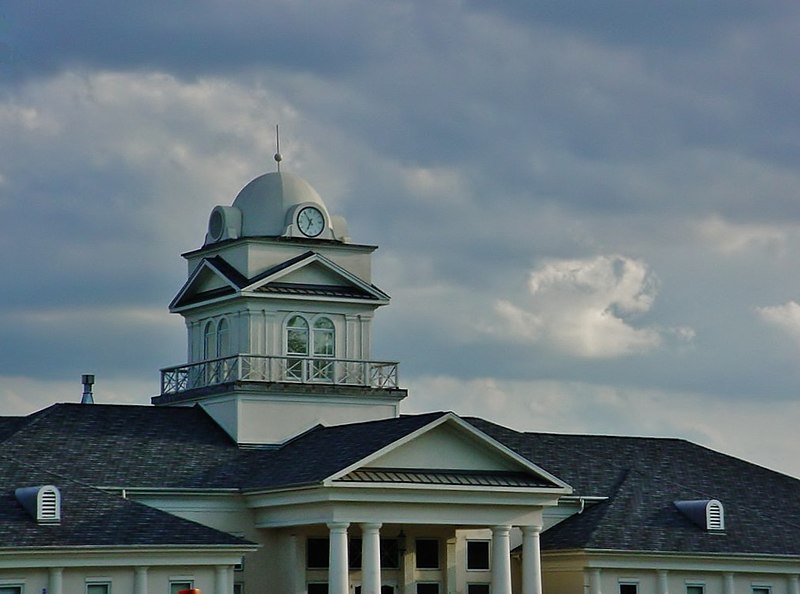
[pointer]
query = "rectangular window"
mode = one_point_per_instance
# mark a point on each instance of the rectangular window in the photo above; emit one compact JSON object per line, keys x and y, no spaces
{"x":629,"y":588}
{"x":98,"y":588}
{"x":695,"y":589}
{"x":390,"y":553}
{"x":478,"y":555}
{"x":761,"y":590}
{"x":238,"y":588}
{"x":354,"y":553}
{"x":175,"y":587}
{"x":318,"y":588}
{"x":428,"y":588}
{"x":10,"y":589}
{"x":317,"y":550}
{"x":477,"y":588}
{"x":427,"y":553}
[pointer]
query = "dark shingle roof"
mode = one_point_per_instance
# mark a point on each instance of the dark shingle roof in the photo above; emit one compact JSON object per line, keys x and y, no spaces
{"x":90,"y":517}
{"x":176,"y":447}
{"x":125,"y":446}
{"x":322,"y":451}
{"x":643,"y":477}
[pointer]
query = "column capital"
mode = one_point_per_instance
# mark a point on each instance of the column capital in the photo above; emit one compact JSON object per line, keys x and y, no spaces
{"x":370,"y":526}
{"x":338,"y":526}
{"x":501,"y":529}
{"x":532,"y":529}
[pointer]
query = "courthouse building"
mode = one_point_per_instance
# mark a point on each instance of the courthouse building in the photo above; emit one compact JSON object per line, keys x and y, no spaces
{"x":276,"y":460}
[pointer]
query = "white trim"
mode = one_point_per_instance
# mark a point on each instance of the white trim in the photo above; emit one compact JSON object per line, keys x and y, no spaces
{"x":482,"y":437}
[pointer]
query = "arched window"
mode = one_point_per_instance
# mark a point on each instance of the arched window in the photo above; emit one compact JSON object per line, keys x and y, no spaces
{"x":297,"y":336}
{"x":324,"y":338}
{"x":209,"y":341}
{"x":324,"y":347}
{"x":223,"y":339}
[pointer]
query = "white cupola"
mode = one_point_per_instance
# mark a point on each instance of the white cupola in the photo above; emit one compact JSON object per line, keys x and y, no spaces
{"x":278,"y":306}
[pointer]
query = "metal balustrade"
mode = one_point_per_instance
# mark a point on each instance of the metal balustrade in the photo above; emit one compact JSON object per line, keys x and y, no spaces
{"x":267,"y":368}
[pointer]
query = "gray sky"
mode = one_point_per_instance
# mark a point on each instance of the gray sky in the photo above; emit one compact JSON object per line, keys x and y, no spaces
{"x":588,"y":212}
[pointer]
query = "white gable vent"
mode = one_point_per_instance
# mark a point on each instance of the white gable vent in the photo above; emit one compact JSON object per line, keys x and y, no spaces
{"x":706,"y":513}
{"x":42,"y":503}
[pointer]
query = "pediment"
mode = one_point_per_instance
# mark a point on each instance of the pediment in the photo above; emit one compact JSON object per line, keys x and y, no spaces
{"x":449,"y":452}
{"x":313,"y":274}
{"x":213,"y":278}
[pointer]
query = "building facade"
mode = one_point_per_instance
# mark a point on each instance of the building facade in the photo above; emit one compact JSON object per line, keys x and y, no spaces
{"x":276,"y":460}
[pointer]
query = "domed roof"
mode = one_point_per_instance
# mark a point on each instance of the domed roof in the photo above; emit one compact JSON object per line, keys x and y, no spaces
{"x":266,"y":201}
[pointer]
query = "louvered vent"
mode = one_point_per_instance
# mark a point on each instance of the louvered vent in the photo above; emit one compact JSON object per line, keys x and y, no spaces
{"x":49,"y":505}
{"x":715,"y":516}
{"x":706,"y":513}
{"x":42,"y":503}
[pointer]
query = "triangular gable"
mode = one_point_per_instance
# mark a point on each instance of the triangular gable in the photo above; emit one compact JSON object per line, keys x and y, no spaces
{"x":313,"y":273}
{"x":213,"y":278}
{"x":449,"y":451}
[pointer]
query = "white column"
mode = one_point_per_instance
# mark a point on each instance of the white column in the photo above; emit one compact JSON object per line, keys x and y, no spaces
{"x":56,"y":581}
{"x":223,"y":579}
{"x":501,"y":560}
{"x":595,"y":586}
{"x":663,"y":581}
{"x":794,"y":584}
{"x":370,"y":559}
{"x":531,"y":560}
{"x":140,"y":580}
{"x":338,"y":582}
{"x":727,"y":583}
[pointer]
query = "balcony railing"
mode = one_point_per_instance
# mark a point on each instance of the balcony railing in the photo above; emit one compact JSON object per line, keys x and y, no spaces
{"x":264,"y":368}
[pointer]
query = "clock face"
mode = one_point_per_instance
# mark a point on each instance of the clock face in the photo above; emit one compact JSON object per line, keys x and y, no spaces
{"x":310,"y":221}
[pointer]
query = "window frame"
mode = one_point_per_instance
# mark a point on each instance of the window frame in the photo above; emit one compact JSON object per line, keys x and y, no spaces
{"x":481,"y":585}
{"x":20,"y":586}
{"x":428,"y":583}
{"x":628,"y":583}
{"x":689,"y":586}
{"x":180,"y":583}
{"x":97,"y":582}
{"x":477,"y":541}
{"x":438,"y":554}
{"x":327,"y":555}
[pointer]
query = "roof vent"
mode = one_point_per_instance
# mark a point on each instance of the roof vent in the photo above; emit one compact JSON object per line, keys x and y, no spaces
{"x":87,"y":379}
{"x":42,"y":503}
{"x":706,"y":513}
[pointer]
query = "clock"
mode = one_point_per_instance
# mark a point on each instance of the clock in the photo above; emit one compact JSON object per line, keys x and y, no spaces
{"x":311,"y":221}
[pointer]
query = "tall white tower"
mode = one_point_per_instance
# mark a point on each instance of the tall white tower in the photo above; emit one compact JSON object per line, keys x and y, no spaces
{"x":278,"y":307}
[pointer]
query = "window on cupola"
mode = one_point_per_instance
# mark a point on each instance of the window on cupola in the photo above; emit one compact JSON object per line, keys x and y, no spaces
{"x":297,"y":338}
{"x":210,"y":341}
{"x":324,"y":348}
{"x":315,"y":343}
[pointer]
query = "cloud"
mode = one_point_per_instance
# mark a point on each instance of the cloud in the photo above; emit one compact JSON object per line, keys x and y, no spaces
{"x":785,"y":317}
{"x":586,"y":308}
{"x":730,"y":238}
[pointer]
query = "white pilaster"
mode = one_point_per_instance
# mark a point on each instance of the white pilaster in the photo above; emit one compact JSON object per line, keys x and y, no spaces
{"x":595,"y":586}
{"x":501,"y":560}
{"x":794,"y":584}
{"x":140,"y":580}
{"x":338,"y":582}
{"x":370,"y":559}
{"x":727,"y":583}
{"x":531,"y":560}
{"x":56,"y":581}
{"x":223,"y":579}
{"x":663,"y":581}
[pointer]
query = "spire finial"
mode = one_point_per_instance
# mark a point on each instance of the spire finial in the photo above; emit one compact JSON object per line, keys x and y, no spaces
{"x":278,"y":158}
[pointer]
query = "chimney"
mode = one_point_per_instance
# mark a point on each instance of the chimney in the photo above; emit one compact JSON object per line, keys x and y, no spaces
{"x":88,"y":380}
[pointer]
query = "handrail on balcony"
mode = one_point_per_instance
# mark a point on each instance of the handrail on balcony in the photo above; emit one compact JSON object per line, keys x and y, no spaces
{"x":268,"y":368}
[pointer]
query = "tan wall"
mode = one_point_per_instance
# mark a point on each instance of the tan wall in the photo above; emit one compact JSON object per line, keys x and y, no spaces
{"x":74,"y":580}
